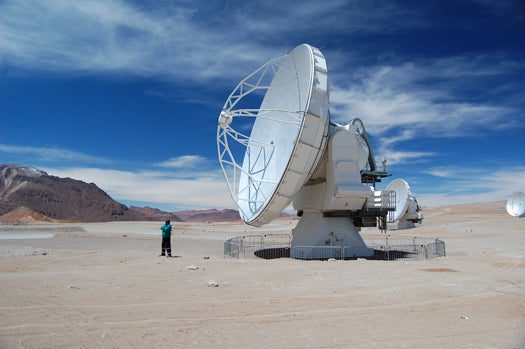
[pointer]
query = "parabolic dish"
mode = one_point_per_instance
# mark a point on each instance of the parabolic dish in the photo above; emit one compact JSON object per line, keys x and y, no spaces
{"x":402,"y":189}
{"x":287,"y":139}
{"x":516,"y":204}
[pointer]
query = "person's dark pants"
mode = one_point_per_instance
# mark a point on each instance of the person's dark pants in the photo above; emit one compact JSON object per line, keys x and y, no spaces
{"x":166,"y":246}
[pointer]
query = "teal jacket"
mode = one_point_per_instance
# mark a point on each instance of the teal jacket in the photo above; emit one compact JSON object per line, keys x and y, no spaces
{"x":166,"y":231}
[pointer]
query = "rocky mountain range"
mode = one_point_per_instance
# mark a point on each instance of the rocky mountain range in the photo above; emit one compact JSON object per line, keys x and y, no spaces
{"x":212,"y":215}
{"x":154,"y":214}
{"x":57,"y":198}
{"x":29,"y":194}
{"x":198,"y":216}
{"x":26,"y":215}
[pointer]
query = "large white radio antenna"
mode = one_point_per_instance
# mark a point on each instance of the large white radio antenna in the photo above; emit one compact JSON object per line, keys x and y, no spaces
{"x":286,"y":139}
{"x":284,"y":149}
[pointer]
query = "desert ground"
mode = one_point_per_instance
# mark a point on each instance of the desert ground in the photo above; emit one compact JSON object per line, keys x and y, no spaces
{"x":102,"y":285}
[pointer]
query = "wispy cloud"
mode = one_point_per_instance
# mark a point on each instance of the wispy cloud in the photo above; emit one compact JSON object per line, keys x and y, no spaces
{"x":425,"y":99}
{"x":336,"y":16}
{"x":50,"y":154}
{"x":405,"y":97}
{"x":387,"y":149}
{"x":466,"y":185}
{"x":455,"y":172}
{"x":184,"y":161}
{"x":196,"y":41}
{"x":117,"y":36}
{"x":203,"y":190}
{"x":396,"y":157}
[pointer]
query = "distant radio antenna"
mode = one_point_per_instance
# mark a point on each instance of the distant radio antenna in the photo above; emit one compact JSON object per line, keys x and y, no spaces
{"x":408,"y":212}
{"x":516,"y":205}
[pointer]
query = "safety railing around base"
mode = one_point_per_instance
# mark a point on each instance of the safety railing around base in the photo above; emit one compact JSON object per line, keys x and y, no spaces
{"x":267,"y":246}
{"x":271,"y":246}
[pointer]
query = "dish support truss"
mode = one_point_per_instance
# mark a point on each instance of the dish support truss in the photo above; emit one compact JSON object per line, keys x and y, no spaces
{"x":257,"y":152}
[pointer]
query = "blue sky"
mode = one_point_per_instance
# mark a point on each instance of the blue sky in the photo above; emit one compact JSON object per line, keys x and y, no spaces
{"x":126,"y":94}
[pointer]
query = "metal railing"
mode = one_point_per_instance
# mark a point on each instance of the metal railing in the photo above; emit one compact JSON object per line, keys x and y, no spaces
{"x":271,"y":246}
{"x":317,"y":252}
{"x":267,"y":246}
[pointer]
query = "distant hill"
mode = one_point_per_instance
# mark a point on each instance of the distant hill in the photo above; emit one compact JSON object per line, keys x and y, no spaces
{"x":57,"y":198}
{"x":25,"y":215}
{"x":487,"y":209}
{"x":198,"y":216}
{"x":154,"y":214}
{"x":213,"y":215}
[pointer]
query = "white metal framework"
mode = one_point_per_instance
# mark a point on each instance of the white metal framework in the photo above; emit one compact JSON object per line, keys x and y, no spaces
{"x":259,"y":159}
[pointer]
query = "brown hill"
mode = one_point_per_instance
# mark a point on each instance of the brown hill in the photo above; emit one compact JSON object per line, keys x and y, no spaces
{"x":25,"y":215}
{"x":154,"y":214}
{"x":212,"y":215}
{"x":488,"y":209}
{"x":57,"y":198}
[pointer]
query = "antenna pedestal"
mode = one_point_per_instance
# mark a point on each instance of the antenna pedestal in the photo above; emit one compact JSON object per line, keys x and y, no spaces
{"x":334,"y":195}
{"x":318,"y":237}
{"x":402,"y":224}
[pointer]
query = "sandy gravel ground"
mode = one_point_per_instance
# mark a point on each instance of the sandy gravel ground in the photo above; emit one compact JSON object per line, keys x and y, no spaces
{"x":92,"y":287}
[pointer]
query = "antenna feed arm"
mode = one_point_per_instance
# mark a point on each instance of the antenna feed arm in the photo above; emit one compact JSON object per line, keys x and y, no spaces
{"x":362,"y":132}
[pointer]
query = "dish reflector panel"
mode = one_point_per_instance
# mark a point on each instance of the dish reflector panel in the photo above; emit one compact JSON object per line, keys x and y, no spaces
{"x":516,"y":204}
{"x":287,"y":139}
{"x":402,"y":189}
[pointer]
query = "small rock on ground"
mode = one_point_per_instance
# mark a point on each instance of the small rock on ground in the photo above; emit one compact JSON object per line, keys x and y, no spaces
{"x":213,"y":283}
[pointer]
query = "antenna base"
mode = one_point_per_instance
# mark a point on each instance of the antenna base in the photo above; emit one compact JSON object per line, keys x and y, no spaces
{"x":320,"y":237}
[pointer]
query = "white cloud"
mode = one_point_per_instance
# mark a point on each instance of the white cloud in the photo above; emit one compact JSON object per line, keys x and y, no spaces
{"x":395,"y":98}
{"x":204,"y":190}
{"x":437,"y":172}
{"x":467,"y":185}
{"x":457,"y":172}
{"x":49,"y":154}
{"x":184,"y":161}
{"x":336,"y":16}
{"x":395,"y":157}
{"x":423,"y":99}
{"x":386,"y":149}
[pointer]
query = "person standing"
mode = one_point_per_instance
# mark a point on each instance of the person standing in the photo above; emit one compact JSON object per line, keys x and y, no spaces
{"x":166,"y":239}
